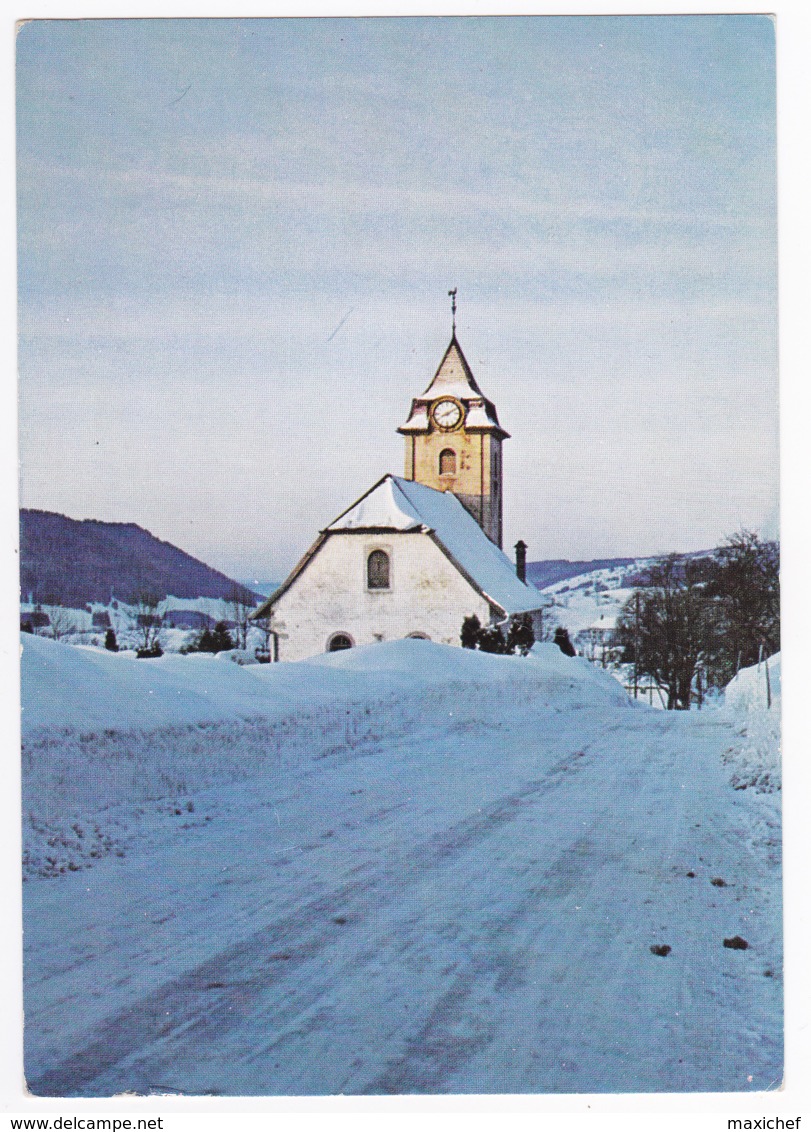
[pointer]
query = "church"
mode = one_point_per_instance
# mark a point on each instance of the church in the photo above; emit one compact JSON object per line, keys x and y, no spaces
{"x":414,"y":555}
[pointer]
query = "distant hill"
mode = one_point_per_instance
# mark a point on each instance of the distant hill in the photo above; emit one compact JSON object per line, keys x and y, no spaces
{"x":72,"y":562}
{"x":553,"y":570}
{"x":258,"y":586}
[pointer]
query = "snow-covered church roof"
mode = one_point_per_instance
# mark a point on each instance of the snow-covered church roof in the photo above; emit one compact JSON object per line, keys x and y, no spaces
{"x":396,"y":504}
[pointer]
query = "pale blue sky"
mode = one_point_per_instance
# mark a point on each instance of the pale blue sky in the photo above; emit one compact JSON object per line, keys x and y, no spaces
{"x":203,"y":202}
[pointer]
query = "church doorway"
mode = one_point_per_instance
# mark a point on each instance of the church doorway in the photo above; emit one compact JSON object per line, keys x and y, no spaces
{"x":339,"y":641}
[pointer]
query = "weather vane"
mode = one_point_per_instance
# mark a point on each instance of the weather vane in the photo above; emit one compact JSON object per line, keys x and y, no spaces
{"x":453,"y":306}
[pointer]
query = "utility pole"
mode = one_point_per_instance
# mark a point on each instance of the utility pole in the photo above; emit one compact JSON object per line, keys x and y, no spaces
{"x":768,"y":680}
{"x":636,"y":645}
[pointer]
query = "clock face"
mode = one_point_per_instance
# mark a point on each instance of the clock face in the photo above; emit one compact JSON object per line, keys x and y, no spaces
{"x":447,"y":414}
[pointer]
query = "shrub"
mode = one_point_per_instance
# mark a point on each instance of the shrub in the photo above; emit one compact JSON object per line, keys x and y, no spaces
{"x":149,"y":653}
{"x":471,"y":628}
{"x":520,"y":636}
{"x":492,"y":640}
{"x":213,"y":640}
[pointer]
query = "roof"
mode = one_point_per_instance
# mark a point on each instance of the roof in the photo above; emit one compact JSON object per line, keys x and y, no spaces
{"x":604,"y":622}
{"x":384,"y":507}
{"x":454,"y":377}
{"x":395,"y":504}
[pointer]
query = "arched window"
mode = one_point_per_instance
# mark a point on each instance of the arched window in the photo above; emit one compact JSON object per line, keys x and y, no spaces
{"x":377,"y":570}
{"x":339,"y":641}
{"x":447,"y":462}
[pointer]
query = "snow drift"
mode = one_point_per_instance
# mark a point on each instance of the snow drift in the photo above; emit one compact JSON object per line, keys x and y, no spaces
{"x":751,"y":689}
{"x":83,"y":688}
{"x":754,"y":759}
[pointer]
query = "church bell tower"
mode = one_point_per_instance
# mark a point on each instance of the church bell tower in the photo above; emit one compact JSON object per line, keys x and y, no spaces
{"x":453,"y":440}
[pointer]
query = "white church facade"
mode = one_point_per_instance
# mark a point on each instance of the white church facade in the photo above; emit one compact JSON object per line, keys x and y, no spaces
{"x":417,"y":554}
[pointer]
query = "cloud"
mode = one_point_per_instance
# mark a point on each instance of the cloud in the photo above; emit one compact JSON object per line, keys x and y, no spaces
{"x":601,"y":191}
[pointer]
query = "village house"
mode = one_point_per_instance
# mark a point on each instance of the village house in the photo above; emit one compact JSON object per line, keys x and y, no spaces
{"x":413,"y":556}
{"x":597,"y":640}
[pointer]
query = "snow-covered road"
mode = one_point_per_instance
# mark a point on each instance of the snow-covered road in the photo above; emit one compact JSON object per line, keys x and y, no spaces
{"x":463,"y":902}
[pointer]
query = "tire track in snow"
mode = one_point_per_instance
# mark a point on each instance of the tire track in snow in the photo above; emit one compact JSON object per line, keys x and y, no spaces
{"x":440,"y":1048}
{"x":466,"y":1045}
{"x":462,"y":1023}
{"x":241,"y":974}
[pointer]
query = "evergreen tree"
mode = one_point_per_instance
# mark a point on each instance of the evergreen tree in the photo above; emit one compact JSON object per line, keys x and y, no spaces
{"x":492,"y":640}
{"x":521,"y":636}
{"x":216,"y":640}
{"x":204,"y":642}
{"x":110,"y":642}
{"x":471,"y":628}
{"x":221,"y":640}
{"x":561,"y":639}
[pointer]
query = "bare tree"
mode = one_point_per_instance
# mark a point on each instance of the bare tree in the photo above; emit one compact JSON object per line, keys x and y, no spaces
{"x":117,"y":618}
{"x":62,"y":621}
{"x":665,"y":630}
{"x":697,"y":621}
{"x":268,"y":647}
{"x":744,"y":583}
{"x":240,"y":605}
{"x":145,"y":623}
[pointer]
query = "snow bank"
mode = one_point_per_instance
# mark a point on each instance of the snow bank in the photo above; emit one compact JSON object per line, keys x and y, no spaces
{"x":754,"y":759}
{"x":749,"y":690}
{"x":83,"y":689}
{"x":562,"y":680}
{"x":452,"y":889}
{"x":142,"y":734}
{"x":434,"y":871}
{"x":86,"y":689}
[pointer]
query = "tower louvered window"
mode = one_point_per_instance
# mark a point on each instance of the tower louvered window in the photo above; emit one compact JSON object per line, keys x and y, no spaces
{"x":447,"y":462}
{"x":377,"y":570}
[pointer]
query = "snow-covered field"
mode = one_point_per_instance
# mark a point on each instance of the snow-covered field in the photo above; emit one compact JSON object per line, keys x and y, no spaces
{"x":404,"y":868}
{"x":76,"y":626}
{"x":581,"y":602}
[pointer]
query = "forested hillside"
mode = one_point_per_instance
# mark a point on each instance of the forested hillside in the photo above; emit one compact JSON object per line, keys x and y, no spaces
{"x":72,"y":562}
{"x":552,"y":570}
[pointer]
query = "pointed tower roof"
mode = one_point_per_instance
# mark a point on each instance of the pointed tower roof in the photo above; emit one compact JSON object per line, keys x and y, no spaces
{"x":454,"y":377}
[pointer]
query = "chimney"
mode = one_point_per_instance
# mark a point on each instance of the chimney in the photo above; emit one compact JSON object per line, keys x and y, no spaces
{"x":521,"y":560}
